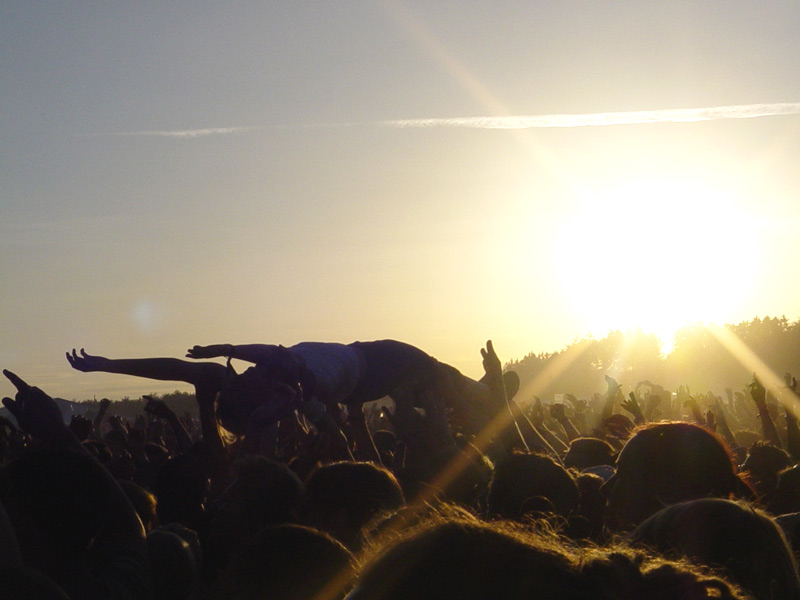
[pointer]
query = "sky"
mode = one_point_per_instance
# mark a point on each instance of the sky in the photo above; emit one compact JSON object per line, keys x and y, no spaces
{"x":441,"y":173}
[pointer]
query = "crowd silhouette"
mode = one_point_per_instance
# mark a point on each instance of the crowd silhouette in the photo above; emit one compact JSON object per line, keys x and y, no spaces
{"x":292,"y":482}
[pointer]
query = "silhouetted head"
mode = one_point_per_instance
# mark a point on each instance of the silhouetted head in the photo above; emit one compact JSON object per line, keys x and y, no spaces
{"x":341,"y":498}
{"x":58,"y":497}
{"x":467,"y":560}
{"x":288,"y":562}
{"x":143,"y":502}
{"x":763,"y":464}
{"x":264,"y":493}
{"x":739,"y":540}
{"x":787,"y":492}
{"x":664,"y":464}
{"x":472,"y":561}
{"x":244,"y":393}
{"x":526,"y":484}
{"x":587,"y":452}
{"x":174,"y":565}
{"x":181,"y":488}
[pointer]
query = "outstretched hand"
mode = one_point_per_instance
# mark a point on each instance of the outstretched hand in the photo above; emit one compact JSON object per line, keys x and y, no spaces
{"x":85,"y":362}
{"x":491,"y":362}
{"x":613,"y":386}
{"x":212,"y":351}
{"x":632,"y":406}
{"x":36,"y":412}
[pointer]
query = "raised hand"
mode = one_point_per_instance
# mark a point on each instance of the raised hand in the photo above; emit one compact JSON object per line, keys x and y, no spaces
{"x":632,"y":406}
{"x":691,"y":402}
{"x":711,"y":421}
{"x":613,"y":386}
{"x":758,"y":392}
{"x":491,"y":362}
{"x":653,"y":400}
{"x":86,"y":362}
{"x":81,"y":427}
{"x":36,"y":412}
{"x":158,"y":408}
{"x":212,"y":351}
{"x":557,"y":411}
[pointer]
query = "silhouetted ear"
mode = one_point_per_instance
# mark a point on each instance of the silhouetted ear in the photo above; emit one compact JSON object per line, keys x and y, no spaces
{"x":511,"y":382}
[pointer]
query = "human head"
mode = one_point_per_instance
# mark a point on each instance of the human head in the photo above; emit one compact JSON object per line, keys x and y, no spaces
{"x":473,"y":561}
{"x":587,"y":452}
{"x":740,"y":540}
{"x":529,"y":483}
{"x":341,"y":498}
{"x":763,"y":464}
{"x":667,"y":463}
{"x":244,"y":393}
{"x":288,"y":562}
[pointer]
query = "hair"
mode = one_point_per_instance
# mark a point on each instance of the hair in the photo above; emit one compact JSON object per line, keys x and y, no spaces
{"x":469,"y":560}
{"x":762,"y":466}
{"x":264,"y":493}
{"x":60,"y":492}
{"x":587,"y":452}
{"x":739,"y":540}
{"x":529,"y":483}
{"x":181,"y":487}
{"x":243,"y":393}
{"x":143,"y":501}
{"x":787,"y":491}
{"x":174,"y":565}
{"x":288,"y":562}
{"x":343,"y":497}
{"x":667,"y":463}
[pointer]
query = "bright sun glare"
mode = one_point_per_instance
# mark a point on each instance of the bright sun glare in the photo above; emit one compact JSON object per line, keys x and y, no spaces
{"x":656,"y":255}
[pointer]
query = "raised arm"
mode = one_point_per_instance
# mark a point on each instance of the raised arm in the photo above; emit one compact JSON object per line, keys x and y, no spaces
{"x":165,"y":369}
{"x":207,"y":378}
{"x":759,"y":394}
{"x":254,"y":353}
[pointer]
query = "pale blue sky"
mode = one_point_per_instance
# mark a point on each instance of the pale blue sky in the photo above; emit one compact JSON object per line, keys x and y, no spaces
{"x":318,"y":220}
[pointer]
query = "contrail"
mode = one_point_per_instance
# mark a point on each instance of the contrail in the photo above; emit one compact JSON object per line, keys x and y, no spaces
{"x":638,"y":117}
{"x":605,"y":119}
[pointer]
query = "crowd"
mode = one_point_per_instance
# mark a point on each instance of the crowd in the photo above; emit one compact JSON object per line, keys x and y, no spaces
{"x":295,"y":483}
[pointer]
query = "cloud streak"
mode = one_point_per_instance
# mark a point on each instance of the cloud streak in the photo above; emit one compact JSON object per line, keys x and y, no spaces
{"x":637,"y":117}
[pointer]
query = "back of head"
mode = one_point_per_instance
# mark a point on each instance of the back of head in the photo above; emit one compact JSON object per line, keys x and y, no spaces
{"x":762,"y":467}
{"x":264,"y":493}
{"x":181,"y":488}
{"x":143,"y":502}
{"x":468,"y":560}
{"x":529,"y":483}
{"x":173,"y":565}
{"x":60,"y":493}
{"x":288,"y":562}
{"x":742,"y":542}
{"x":667,"y":463}
{"x":787,"y":491}
{"x":587,"y":452}
{"x":268,"y":490}
{"x":343,"y":497}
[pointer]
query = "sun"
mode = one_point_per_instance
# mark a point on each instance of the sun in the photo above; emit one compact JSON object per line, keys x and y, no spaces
{"x":655,"y":254}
